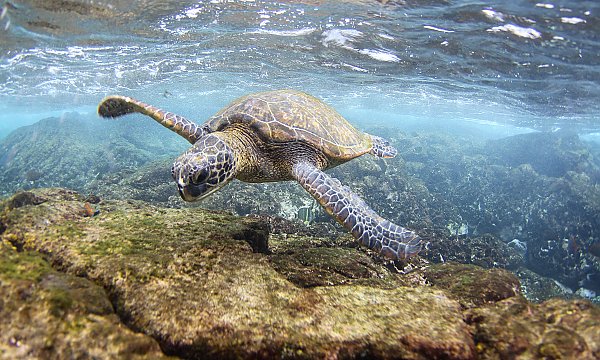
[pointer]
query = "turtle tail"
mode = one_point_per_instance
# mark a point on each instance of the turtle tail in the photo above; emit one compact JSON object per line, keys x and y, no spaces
{"x":370,"y":229}
{"x":116,"y":105}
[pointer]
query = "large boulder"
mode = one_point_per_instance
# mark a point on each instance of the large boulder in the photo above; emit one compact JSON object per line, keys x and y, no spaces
{"x":45,"y":314}
{"x":208,"y":284}
{"x":187,"y":278}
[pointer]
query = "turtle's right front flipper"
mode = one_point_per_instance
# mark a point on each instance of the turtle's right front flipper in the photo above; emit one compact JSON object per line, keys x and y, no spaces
{"x":116,"y":105}
{"x":370,"y":229}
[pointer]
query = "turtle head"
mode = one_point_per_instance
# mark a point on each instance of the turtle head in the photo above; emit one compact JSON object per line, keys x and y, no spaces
{"x":204,"y":168}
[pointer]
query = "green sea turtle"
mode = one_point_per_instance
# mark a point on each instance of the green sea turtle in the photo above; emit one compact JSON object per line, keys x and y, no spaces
{"x":277,"y":136}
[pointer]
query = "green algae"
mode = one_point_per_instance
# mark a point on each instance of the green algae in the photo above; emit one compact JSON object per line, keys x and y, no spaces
{"x":306,"y":263}
{"x":555,"y":329}
{"x":60,"y":301}
{"x":51,"y":315}
{"x":21,"y":265}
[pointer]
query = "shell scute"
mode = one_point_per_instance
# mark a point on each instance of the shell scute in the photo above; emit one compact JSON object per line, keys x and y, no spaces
{"x":288,"y":115}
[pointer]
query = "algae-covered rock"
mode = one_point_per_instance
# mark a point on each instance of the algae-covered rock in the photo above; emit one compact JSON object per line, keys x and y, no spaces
{"x":471,"y":285}
{"x":50,"y":315}
{"x":538,"y":189}
{"x":181,"y":276}
{"x":208,"y":284}
{"x":555,"y":329}
{"x":537,"y":288}
{"x":311,"y":261}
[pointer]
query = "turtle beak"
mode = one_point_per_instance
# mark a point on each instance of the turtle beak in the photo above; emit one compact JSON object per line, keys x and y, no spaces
{"x":186,"y":194}
{"x":192,"y":192}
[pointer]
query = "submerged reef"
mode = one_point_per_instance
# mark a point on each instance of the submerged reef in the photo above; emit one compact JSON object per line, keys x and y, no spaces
{"x":527,"y":203}
{"x":73,"y":151}
{"x":208,"y":284}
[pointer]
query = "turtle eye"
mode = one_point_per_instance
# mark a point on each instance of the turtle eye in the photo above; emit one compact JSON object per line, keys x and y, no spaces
{"x":200,"y":176}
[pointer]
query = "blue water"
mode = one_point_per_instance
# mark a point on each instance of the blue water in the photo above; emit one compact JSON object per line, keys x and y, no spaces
{"x":503,"y":66}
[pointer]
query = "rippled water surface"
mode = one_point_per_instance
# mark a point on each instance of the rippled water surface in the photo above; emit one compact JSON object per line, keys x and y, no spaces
{"x":525,"y":63}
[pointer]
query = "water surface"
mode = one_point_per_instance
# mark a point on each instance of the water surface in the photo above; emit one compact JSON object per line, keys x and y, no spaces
{"x":520,"y":63}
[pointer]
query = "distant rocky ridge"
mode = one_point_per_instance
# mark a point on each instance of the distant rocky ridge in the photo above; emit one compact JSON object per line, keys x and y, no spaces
{"x":527,"y":202}
{"x":74,"y":151}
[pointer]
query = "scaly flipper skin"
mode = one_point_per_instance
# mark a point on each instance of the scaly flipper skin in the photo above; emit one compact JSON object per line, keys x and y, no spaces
{"x":370,"y":229}
{"x":116,"y":105}
{"x":382,"y":148}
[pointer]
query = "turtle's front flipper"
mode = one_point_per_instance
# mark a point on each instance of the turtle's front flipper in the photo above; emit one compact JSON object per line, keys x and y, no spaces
{"x":116,"y":105}
{"x":382,"y":147}
{"x":355,"y":215}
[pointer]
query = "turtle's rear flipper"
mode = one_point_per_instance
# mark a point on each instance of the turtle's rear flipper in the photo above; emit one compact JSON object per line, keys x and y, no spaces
{"x":382,"y":147}
{"x":116,"y":105}
{"x":370,"y":229}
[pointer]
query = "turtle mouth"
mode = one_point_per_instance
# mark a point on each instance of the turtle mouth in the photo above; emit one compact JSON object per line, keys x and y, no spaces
{"x":195,"y":192}
{"x":192,"y":192}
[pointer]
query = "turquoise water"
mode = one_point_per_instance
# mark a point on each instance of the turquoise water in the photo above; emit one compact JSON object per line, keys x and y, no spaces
{"x":461,"y":70}
{"x":520,"y":63}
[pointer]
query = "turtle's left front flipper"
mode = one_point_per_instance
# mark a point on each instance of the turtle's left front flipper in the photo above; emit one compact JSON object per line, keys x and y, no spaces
{"x":116,"y":105}
{"x":355,"y":215}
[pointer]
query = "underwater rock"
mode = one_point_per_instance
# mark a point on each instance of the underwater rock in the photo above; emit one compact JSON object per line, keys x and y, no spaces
{"x":470,"y":183}
{"x":555,"y":329}
{"x":21,"y":199}
{"x":151,"y":182}
{"x":487,"y":251}
{"x":549,"y":153}
{"x":537,"y":288}
{"x":189,"y":279}
{"x":180,"y":276}
{"x":323,"y":230}
{"x":585,"y":293}
{"x":50,"y":315}
{"x":471,"y":285}
{"x":73,"y":150}
{"x":308,"y":261}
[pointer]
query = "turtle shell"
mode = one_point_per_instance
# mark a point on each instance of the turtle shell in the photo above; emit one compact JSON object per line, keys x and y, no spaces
{"x":288,"y":115}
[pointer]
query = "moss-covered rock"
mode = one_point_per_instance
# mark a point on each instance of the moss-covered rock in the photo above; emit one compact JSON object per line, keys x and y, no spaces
{"x":555,"y":329}
{"x":50,"y":315}
{"x":310,"y":261}
{"x":208,"y":284}
{"x":471,"y":285}
{"x":181,"y":276}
